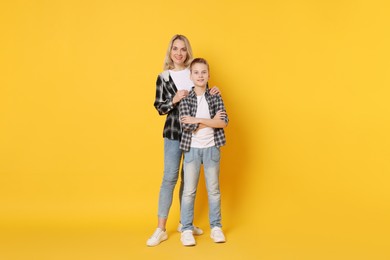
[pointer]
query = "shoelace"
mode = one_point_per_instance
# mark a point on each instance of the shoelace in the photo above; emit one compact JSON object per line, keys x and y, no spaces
{"x":217,"y":232}
{"x":187,"y":236}
{"x":156,"y":233}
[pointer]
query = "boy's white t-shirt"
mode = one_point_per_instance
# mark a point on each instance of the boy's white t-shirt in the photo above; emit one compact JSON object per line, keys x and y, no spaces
{"x":182,"y":80}
{"x":204,"y":137}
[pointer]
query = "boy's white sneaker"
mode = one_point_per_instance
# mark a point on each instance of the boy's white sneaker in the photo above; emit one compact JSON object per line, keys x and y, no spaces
{"x":217,"y":235}
{"x":197,"y":231}
{"x":187,"y":238}
{"x":158,"y":236}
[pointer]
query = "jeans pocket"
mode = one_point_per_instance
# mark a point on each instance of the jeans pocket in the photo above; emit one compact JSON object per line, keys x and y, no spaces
{"x":189,"y":156}
{"x":215,"y":154}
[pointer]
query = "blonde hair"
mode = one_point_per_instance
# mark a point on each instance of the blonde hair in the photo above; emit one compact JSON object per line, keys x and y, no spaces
{"x":168,"y":63}
{"x":201,"y":61}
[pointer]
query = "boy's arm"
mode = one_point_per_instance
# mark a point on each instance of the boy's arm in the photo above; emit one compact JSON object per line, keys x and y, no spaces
{"x":220,"y":120}
{"x":220,"y":106}
{"x":216,"y":122}
{"x":184,"y":112}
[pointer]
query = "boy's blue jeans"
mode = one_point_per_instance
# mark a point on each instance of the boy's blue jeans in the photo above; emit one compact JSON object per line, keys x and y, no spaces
{"x":172,"y":157}
{"x":193,"y":159}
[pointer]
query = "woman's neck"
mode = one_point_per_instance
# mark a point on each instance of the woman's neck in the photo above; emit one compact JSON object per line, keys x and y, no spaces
{"x":178,"y":68}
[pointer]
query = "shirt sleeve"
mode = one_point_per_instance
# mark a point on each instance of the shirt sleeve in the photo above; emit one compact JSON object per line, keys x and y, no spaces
{"x":219,"y":105}
{"x":163,"y":102}
{"x":184,"y":110}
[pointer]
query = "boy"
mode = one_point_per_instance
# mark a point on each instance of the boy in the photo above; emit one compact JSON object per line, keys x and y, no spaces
{"x":203,"y":118}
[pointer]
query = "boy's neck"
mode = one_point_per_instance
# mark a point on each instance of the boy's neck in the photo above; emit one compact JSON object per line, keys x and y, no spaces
{"x":200,"y":90}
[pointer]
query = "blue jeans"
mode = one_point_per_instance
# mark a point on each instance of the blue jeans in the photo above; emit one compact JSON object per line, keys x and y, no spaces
{"x":172,"y":158}
{"x":193,"y":159}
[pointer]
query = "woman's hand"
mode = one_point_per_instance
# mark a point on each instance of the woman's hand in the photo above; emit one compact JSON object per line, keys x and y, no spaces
{"x":215,"y":91}
{"x":189,"y":120}
{"x":179,"y":96}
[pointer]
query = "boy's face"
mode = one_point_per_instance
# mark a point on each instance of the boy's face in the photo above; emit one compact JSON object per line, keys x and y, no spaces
{"x":200,"y":74}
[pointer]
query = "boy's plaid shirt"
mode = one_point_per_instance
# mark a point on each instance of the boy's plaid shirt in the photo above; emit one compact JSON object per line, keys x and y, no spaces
{"x":165,"y":91}
{"x":188,"y":107}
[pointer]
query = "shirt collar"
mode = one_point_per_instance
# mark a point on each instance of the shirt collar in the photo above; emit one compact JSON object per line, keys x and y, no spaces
{"x":192,"y":92}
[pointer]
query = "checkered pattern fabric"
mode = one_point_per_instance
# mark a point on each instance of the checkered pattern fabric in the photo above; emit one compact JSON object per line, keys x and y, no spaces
{"x":165,"y":91}
{"x":188,"y":107}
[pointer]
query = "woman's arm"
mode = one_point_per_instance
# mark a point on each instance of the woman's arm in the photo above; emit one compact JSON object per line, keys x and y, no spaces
{"x":162,"y":103}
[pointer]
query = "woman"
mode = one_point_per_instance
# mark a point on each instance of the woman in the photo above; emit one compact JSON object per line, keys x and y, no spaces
{"x":172,"y":85}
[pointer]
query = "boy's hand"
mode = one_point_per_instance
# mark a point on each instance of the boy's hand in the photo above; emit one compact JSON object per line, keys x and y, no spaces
{"x":220,"y":115}
{"x":180,"y":95}
{"x":189,"y":120}
{"x":215,"y":91}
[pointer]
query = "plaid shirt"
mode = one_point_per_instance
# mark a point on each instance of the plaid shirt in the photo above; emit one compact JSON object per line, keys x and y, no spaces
{"x":188,"y":107}
{"x":165,"y":91}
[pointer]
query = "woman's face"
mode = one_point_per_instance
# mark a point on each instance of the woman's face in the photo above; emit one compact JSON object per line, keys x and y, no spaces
{"x":178,"y":53}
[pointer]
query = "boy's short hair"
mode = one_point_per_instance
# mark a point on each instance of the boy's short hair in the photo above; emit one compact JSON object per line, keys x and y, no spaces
{"x":199,"y":60}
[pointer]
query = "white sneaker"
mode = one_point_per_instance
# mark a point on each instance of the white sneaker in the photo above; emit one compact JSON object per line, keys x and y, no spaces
{"x":217,"y":235}
{"x":187,"y":238}
{"x":158,"y":236}
{"x":197,"y":231}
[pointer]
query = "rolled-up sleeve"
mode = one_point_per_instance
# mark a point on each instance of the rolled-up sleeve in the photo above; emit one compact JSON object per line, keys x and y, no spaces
{"x":184,"y":110}
{"x":221,"y":106}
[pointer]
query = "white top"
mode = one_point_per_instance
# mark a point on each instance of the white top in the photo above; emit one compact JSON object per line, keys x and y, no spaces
{"x":204,"y":137}
{"x":181,"y":78}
